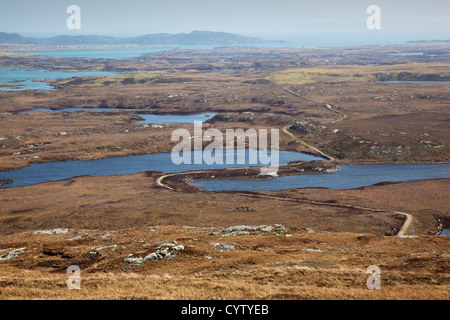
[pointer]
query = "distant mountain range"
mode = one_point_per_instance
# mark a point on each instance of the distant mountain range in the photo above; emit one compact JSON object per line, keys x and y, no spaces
{"x":193,"y":38}
{"x":429,"y":41}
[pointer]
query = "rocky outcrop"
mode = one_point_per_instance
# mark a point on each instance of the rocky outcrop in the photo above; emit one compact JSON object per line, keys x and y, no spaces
{"x":12,"y":254}
{"x":224,"y":246}
{"x":52,"y":231}
{"x":165,"y":251}
{"x":247,"y":230}
{"x":242,"y":209}
{"x":300,"y":127}
{"x":5,"y":181}
{"x":222,"y":117}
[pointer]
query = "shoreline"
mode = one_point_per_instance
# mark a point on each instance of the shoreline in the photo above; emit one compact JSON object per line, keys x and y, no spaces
{"x":5,"y":181}
{"x":336,"y":161}
{"x":181,"y":181}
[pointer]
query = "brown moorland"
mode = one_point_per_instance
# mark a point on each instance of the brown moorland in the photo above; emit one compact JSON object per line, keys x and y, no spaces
{"x":328,"y":237}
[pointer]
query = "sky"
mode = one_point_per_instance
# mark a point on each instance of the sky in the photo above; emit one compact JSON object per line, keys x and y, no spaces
{"x":298,"y":20}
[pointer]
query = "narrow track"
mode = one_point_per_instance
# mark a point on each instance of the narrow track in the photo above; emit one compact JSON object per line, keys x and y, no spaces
{"x":285,"y":130}
{"x":403,"y":230}
{"x":342,"y":115}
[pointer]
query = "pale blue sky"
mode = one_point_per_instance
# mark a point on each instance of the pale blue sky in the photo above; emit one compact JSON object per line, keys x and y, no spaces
{"x":402,"y":20}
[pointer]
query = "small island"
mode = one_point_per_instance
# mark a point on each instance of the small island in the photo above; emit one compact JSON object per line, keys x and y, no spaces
{"x":5,"y":181}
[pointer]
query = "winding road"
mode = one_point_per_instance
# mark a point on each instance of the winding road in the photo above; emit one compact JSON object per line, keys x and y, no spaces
{"x":403,"y":230}
{"x":342,"y":115}
{"x":285,"y":130}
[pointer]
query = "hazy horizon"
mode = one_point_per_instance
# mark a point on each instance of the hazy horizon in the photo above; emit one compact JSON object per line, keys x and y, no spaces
{"x":326,"y":21}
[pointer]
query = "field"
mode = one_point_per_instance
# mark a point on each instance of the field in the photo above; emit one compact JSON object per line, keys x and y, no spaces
{"x":345,"y":73}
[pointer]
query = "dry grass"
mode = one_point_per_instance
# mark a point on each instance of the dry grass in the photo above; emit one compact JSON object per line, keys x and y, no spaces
{"x":137,"y":287}
{"x":138,"y":78}
{"x":281,"y":270}
{"x":328,"y":264}
{"x":339,"y":73}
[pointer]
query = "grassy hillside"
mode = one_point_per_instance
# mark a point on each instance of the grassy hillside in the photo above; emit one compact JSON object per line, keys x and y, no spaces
{"x":340,"y":73}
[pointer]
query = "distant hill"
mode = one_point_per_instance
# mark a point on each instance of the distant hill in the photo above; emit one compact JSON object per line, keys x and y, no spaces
{"x":193,"y":38}
{"x":429,"y":41}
